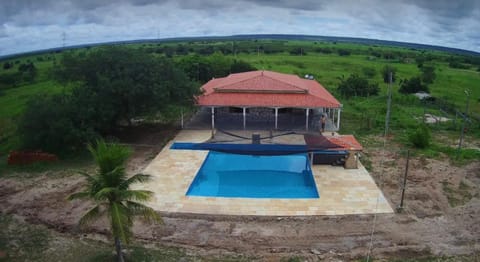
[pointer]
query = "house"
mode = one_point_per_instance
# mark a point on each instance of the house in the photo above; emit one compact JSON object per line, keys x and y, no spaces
{"x":271,"y":98}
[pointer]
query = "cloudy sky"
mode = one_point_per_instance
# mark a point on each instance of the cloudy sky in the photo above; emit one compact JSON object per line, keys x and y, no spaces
{"x":27,"y":25}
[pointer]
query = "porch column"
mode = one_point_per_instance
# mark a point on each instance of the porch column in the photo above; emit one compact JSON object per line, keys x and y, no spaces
{"x":276,"y":118}
{"x":244,"y":118}
{"x":213,"y":120}
{"x":338,"y":118}
{"x":332,"y":116}
{"x":306,"y":118}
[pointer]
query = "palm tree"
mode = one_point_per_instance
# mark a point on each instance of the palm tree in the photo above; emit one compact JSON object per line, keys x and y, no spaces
{"x":109,"y":189}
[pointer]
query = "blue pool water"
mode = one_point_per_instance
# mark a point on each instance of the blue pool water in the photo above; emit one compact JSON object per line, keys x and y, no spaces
{"x":233,"y":175}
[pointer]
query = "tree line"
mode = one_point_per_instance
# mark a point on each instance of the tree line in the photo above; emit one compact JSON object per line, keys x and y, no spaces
{"x":109,"y":87}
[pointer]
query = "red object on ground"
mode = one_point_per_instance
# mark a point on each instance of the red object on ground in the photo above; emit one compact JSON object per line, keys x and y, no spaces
{"x":266,"y":89}
{"x":29,"y":157}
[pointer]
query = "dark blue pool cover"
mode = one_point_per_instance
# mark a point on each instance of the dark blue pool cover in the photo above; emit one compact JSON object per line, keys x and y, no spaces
{"x":253,"y":149}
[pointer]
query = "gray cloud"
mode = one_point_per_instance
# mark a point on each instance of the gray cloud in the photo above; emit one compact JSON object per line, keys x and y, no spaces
{"x":35,"y":24}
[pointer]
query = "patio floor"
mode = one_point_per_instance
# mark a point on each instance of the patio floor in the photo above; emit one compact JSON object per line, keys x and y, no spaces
{"x":342,"y":191}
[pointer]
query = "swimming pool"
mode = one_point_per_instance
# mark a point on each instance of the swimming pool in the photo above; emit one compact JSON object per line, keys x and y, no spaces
{"x":234,"y":175}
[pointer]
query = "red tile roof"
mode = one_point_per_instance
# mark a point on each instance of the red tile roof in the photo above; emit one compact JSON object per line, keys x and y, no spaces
{"x":265,"y":89}
{"x":347,"y":142}
{"x":337,"y":142}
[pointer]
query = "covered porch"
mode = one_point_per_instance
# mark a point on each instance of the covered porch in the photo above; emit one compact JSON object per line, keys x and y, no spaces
{"x":265,"y":118}
{"x":267,"y":100}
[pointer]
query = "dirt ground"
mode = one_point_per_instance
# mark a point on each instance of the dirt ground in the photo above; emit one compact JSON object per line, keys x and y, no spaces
{"x":441,"y":215}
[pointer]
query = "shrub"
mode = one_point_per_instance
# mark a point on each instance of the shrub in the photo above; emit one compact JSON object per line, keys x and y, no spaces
{"x":343,"y":52}
{"x":369,"y":72}
{"x":420,"y":138}
{"x":386,"y":72}
{"x":297,"y":51}
{"x":355,"y":85}
{"x":52,"y":125}
{"x":428,"y":74}
{"x":239,"y":66}
{"x":413,"y":85}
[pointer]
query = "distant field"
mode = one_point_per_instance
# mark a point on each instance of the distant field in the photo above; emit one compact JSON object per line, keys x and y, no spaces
{"x":359,"y":114}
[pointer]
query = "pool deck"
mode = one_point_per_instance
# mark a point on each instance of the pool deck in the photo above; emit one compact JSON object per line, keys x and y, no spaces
{"x":342,"y":191}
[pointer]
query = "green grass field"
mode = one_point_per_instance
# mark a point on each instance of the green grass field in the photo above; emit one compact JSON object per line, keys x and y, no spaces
{"x":360,"y":115}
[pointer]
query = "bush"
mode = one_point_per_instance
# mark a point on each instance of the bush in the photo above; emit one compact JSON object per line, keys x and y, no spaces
{"x":239,"y":66}
{"x":355,"y":85}
{"x":386,"y":73}
{"x":428,"y":74}
{"x":420,"y":138}
{"x":324,"y":50}
{"x":52,"y":125}
{"x":413,"y":85}
{"x":343,"y":52}
{"x":369,"y":72}
{"x":297,"y":51}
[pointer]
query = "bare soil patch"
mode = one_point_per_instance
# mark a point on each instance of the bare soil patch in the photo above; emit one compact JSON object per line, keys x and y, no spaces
{"x":441,"y":215}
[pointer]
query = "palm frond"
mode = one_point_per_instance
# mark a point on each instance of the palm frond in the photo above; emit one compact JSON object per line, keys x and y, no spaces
{"x":136,"y":195}
{"x":79,"y":195}
{"x":109,"y":156}
{"x":114,"y":177}
{"x":86,"y":175}
{"x":92,"y":215}
{"x":137,"y":178}
{"x":107,"y":193}
{"x":120,"y":221}
{"x":145,"y":212}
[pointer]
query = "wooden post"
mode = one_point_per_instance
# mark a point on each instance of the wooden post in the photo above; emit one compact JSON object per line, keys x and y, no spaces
{"x":400,"y":207}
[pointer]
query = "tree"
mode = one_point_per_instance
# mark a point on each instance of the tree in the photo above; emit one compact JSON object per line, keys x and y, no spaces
{"x":239,"y":66}
{"x":369,"y":72}
{"x":122,"y":83}
{"x":412,"y":85}
{"x":343,"y":52}
{"x":7,"y":65}
{"x":428,"y":74}
{"x":53,"y":124}
{"x":109,"y":189}
{"x":197,"y":68}
{"x":355,"y":85}
{"x":386,"y":73}
{"x":297,"y":51}
{"x":8,"y":80}
{"x":203,"y":69}
{"x":28,"y":71}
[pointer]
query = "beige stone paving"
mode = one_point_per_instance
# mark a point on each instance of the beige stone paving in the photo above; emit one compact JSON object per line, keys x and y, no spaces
{"x":341,"y":191}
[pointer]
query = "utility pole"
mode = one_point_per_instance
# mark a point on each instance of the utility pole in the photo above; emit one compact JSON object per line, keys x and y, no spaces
{"x":64,"y":38}
{"x":465,"y":117}
{"x":389,"y":102}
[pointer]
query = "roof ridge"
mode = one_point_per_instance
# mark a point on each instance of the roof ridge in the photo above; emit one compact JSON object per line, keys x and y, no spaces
{"x":304,"y":89}
{"x":298,"y":87}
